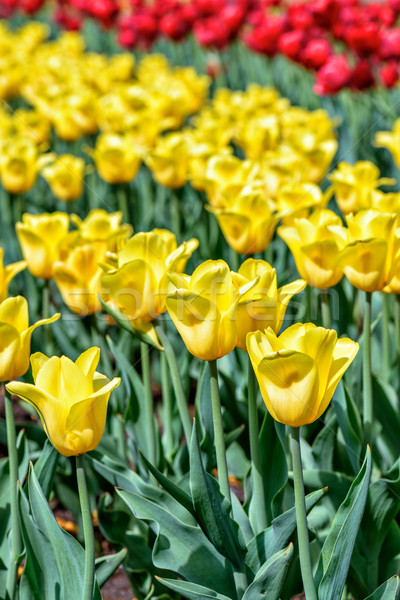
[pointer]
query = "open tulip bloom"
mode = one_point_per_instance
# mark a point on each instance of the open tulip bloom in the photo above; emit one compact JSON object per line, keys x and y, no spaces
{"x":71,"y":399}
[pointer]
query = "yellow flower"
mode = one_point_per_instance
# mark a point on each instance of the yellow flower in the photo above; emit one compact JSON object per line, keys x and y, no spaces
{"x":264,"y":304}
{"x":203,"y":309}
{"x":354,"y":185}
{"x":315,"y":244}
{"x":296,"y":199}
{"x":71,"y":399}
{"x":41,"y":237}
{"x":15,"y":337}
{"x":298,"y":371}
{"x":115,"y":158}
{"x":138,"y":286}
{"x":7,"y":273}
{"x":32,"y":124}
{"x":368,"y":257}
{"x":18,"y":164}
{"x":78,"y":278}
{"x":74,"y":114}
{"x":169,"y":160}
{"x":65,"y":176}
{"x":249,"y":224}
{"x":226,"y":176}
{"x":391,"y":141}
{"x":101,"y":226}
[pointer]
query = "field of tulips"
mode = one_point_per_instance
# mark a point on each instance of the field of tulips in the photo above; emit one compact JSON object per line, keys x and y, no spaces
{"x":199,"y":300}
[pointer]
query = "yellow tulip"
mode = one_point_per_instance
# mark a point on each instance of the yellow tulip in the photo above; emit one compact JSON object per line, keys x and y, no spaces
{"x":71,"y":399}
{"x":138,"y":286}
{"x":392,"y":284}
{"x":32,"y":124}
{"x":74,"y":114}
{"x":65,"y":176}
{"x":78,"y":278}
{"x":7,"y":273}
{"x":249,"y":224}
{"x":203,"y":309}
{"x":169,"y":160}
{"x":18,"y":164}
{"x":296,"y":199}
{"x":298,"y":371}
{"x":41,"y":237}
{"x":354,"y":185}
{"x":101,"y":226}
{"x":264,"y":304}
{"x":391,"y":141}
{"x":115,"y":158}
{"x":368,"y":257}
{"x":226,"y":176}
{"x":15,"y":337}
{"x":315,"y":244}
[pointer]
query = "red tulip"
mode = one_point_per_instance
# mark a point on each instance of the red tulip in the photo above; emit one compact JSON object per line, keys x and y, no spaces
{"x":333,"y":76}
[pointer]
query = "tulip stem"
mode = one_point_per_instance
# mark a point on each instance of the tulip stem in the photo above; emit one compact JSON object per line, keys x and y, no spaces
{"x":386,"y":335}
{"x":88,"y":532}
{"x":149,"y":401}
{"x":301,"y":518}
{"x":176,"y":383}
{"x":13,"y":469}
{"x":46,"y":315}
{"x":261,"y":522}
{"x":122,"y":200}
{"x":222,"y":465}
{"x":367,"y":379}
{"x":325,"y":309}
{"x":167,"y":405}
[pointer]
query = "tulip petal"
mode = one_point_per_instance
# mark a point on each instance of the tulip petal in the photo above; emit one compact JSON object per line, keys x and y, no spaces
{"x":285,"y":294}
{"x":38,"y":360}
{"x":289,"y":385}
{"x":14,"y":311}
{"x":22,"y":362}
{"x":319,"y":263}
{"x":364,"y":264}
{"x":9,"y":349}
{"x":88,"y":361}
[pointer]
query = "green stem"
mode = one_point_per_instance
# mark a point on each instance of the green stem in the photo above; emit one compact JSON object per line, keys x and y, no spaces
{"x":234,"y":259}
{"x":301,"y":518}
{"x":149,"y":402}
{"x":397,"y":327}
{"x":46,"y":314}
{"x":308,"y":304}
{"x":175,"y":213}
{"x":222,"y":465}
{"x":122,"y":201}
{"x":258,"y":487}
{"x":386,"y":335}
{"x":367,"y":380}
{"x":325,"y":309}
{"x":88,"y":584}
{"x":176,"y":383}
{"x":167,"y":405}
{"x":13,"y":468}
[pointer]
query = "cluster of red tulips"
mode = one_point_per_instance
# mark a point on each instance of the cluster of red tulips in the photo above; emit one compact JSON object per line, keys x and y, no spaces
{"x":348,"y":43}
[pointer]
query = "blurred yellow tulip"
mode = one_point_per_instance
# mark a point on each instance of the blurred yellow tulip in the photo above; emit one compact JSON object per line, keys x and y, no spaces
{"x":71,"y":399}
{"x":203,"y":309}
{"x":298,"y":371}
{"x":18,"y":164}
{"x":101,"y":226}
{"x":391,"y":141}
{"x":115,"y":158}
{"x":7,"y":273}
{"x":138,"y":286}
{"x":264,"y":304}
{"x":295,"y":200}
{"x":65,"y":175}
{"x":368,"y":257}
{"x":169,"y":160}
{"x":15,"y":337}
{"x":41,"y":237}
{"x":315,"y":243}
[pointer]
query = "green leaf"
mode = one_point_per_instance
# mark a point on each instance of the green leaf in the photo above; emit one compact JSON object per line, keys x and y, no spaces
{"x":191,"y":591}
{"x":45,"y":467}
{"x":276,"y":537}
{"x":182,"y":548}
{"x":270,"y":578}
{"x":212,"y":509}
{"x":390,"y":590}
{"x":324,"y":444}
{"x":386,"y":412}
{"x":349,"y":423}
{"x":107,"y":565}
{"x":338,"y":547}
{"x":123,"y":322}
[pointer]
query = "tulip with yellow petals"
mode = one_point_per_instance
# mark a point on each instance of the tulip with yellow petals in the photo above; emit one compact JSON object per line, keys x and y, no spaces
{"x":295,"y":200}
{"x":101,"y":226}
{"x":354,"y":185}
{"x":298,"y":373}
{"x":65,"y":175}
{"x":7,"y":273}
{"x":116,"y":158}
{"x":71,"y":399}
{"x":315,"y":243}
{"x":169,"y":160}
{"x":19,"y":164}
{"x":41,"y":238}
{"x":391,"y":141}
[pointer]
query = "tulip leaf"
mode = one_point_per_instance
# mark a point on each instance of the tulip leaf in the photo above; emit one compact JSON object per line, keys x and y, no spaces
{"x":349,"y":423}
{"x":176,"y":492}
{"x":338,"y":547}
{"x":123,"y":322}
{"x":386,"y":412}
{"x":191,"y":591}
{"x":274,"y":538}
{"x":45,"y":467}
{"x":270,"y":578}
{"x":182,"y":548}
{"x":212,"y":508}
{"x":390,"y":590}
{"x":107,"y":565}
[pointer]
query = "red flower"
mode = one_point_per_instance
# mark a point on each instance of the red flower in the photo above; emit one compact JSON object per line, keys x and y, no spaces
{"x":291,"y":42}
{"x":333,"y":76}
{"x":316,"y":53}
{"x":361,"y":76}
{"x":389,"y":74}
